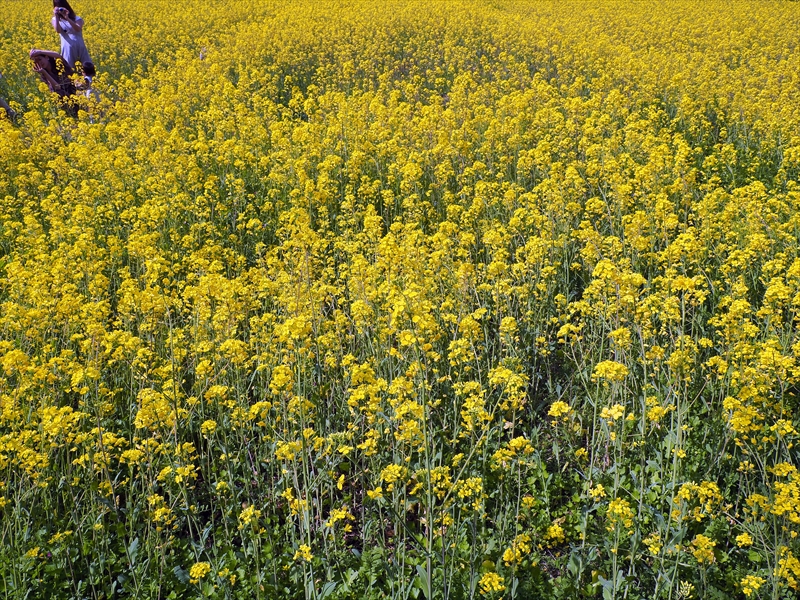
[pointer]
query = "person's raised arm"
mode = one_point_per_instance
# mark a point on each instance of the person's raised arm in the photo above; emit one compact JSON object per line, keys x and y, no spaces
{"x":55,"y":21}
{"x":46,"y":76}
{"x":77,"y":24}
{"x":35,"y":53}
{"x":62,"y":13}
{"x":61,"y":65}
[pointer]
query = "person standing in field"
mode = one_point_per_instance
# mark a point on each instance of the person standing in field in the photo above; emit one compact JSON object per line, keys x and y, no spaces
{"x":9,"y":111}
{"x":54,"y":71}
{"x":57,"y":74}
{"x":70,"y":27}
{"x":4,"y":105}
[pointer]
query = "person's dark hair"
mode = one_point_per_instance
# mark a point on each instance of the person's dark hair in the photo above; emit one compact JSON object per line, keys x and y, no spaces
{"x":65,"y":4}
{"x":88,"y":69}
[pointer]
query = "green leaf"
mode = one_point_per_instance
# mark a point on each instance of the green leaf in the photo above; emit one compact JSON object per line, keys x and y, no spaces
{"x":327,"y":590}
{"x":181,"y":574}
{"x":422,"y":581}
{"x":133,"y":550}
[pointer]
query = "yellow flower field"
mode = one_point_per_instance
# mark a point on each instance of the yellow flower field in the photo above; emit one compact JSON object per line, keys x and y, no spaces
{"x":360,"y":299}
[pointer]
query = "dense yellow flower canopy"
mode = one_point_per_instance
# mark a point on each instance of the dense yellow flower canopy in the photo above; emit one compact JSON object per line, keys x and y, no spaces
{"x":357,"y":299}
